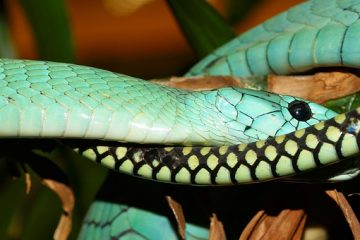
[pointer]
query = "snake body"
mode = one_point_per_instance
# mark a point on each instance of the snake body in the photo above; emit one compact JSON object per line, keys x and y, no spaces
{"x":240,"y":128}
{"x":319,"y":145}
{"x":46,"y":99}
{"x":316,"y":33}
{"x":313,"y":34}
{"x":56,"y":100}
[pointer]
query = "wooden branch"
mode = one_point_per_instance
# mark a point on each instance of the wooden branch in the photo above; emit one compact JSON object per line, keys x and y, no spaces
{"x":216,"y":231}
{"x":67,"y":198}
{"x":347,"y":210}
{"x":289,"y":224}
{"x":200,"y":83}
{"x":177,"y":210}
{"x":319,"y":87}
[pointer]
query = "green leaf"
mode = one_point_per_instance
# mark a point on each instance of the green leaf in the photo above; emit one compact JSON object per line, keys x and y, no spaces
{"x":203,"y":26}
{"x":238,"y":10}
{"x":6,"y":48}
{"x":50,"y":24}
{"x":344,"y":104}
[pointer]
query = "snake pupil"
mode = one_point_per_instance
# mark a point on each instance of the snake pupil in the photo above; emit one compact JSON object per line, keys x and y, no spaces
{"x":300,"y":110}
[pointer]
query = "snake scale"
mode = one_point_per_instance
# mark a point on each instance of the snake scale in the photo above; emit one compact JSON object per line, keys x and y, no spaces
{"x":231,"y":135}
{"x":47,"y":99}
{"x":57,"y":100}
{"x":319,"y":145}
{"x":316,"y":33}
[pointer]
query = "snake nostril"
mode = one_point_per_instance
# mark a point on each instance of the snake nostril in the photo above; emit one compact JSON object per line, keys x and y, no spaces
{"x":300,"y":110}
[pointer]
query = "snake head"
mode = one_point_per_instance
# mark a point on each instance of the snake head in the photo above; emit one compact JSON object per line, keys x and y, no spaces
{"x":251,"y":115}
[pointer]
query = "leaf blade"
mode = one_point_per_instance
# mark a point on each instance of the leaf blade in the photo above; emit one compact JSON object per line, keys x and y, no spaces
{"x":202,"y":25}
{"x":50,"y":24}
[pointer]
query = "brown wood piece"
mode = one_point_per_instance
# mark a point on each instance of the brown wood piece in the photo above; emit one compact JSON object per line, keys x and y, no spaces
{"x":347,"y":210}
{"x":319,"y":87}
{"x":285,"y":225}
{"x":289,"y":224}
{"x":248,"y":230}
{"x":66,"y":196}
{"x":217,"y":231}
{"x":27,"y":182}
{"x":179,"y":215}
{"x":201,"y":83}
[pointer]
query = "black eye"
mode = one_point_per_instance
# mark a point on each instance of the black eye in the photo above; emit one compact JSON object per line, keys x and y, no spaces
{"x":300,"y":110}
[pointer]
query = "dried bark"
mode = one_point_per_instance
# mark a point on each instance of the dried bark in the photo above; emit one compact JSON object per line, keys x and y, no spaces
{"x":66,"y":196}
{"x":289,"y":224}
{"x":319,"y":87}
{"x":177,"y":210}
{"x":217,"y":231}
{"x":347,"y":210}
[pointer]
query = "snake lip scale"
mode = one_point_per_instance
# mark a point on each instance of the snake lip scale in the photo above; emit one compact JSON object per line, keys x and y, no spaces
{"x":316,"y":146}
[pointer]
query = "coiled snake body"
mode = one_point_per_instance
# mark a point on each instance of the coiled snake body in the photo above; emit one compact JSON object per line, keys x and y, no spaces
{"x":55,"y":100}
{"x":236,"y":126}
{"x":46,"y":99}
{"x":304,"y":149}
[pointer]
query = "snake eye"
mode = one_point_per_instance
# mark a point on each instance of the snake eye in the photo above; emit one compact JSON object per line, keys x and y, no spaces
{"x":300,"y":110}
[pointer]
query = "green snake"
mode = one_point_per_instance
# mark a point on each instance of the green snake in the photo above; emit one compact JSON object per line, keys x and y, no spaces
{"x":317,"y":33}
{"x":46,"y":99}
{"x":224,"y":130}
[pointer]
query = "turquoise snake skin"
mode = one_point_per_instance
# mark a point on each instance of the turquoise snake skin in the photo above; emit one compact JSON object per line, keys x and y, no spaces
{"x":313,"y":34}
{"x":224,"y":130}
{"x":46,"y":99}
{"x":319,"y":33}
{"x":319,"y":145}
